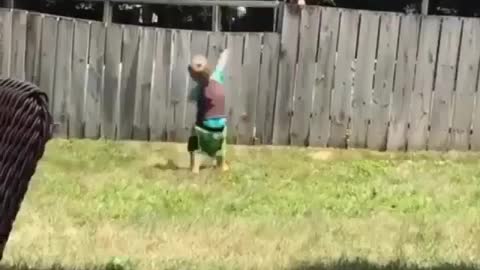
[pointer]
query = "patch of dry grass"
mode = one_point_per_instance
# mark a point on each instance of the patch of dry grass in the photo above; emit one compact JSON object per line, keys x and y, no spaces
{"x":282,"y":208}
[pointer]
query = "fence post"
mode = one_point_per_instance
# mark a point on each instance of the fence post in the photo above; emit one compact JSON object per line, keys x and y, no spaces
{"x":275,"y":19}
{"x":107,"y":11}
{"x":279,"y":10}
{"x":425,"y":5}
{"x":9,"y":3}
{"x":216,"y":19}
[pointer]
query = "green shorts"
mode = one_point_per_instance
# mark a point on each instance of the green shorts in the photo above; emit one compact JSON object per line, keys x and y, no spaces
{"x":209,"y":142}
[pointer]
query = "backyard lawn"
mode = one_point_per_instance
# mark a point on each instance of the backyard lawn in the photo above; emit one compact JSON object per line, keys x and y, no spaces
{"x":132,"y":205}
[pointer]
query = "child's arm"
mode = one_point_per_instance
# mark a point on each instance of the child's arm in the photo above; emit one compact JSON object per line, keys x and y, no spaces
{"x":218,"y":74}
{"x":222,"y":61}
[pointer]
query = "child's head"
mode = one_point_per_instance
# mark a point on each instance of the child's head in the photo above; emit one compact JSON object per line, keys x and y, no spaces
{"x":199,"y":69}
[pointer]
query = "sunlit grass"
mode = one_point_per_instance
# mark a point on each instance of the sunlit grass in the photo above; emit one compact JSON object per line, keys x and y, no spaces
{"x":278,"y":208}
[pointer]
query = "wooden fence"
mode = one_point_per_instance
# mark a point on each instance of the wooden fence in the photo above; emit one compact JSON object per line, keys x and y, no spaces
{"x":378,"y":80}
{"x":129,"y":82}
{"x":332,"y":77}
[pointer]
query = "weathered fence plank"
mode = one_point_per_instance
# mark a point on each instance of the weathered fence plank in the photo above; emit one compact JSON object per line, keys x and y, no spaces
{"x":19,"y":43}
{"x":466,"y":85}
{"x":126,"y":97}
{"x":383,"y":85}
{"x":267,"y":89}
{"x":442,"y":109}
{"x":234,"y":83}
{"x":47,"y":58}
{"x":286,"y":74}
{"x":178,"y":94}
{"x":422,"y":91}
{"x":160,"y":107}
{"x":362,"y":93}
{"x":305,"y":78}
{"x":198,"y":45}
{"x":33,"y":54}
{"x":327,"y":48}
{"x":76,"y":97}
{"x":250,"y":80}
{"x":144,"y":84}
{"x":341,"y":99}
{"x":63,"y":75}
{"x":475,"y":135}
{"x":109,"y":98}
{"x":93,"y":94}
{"x":5,"y":41}
{"x":404,"y":79}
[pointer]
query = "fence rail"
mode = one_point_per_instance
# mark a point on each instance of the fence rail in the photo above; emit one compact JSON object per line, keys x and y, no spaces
{"x":333,"y":77}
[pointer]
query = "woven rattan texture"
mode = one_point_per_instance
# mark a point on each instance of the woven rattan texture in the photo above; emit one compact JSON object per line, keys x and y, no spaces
{"x":25,"y":128}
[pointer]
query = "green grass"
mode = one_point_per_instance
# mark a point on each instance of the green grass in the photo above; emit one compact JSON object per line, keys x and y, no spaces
{"x":278,"y":208}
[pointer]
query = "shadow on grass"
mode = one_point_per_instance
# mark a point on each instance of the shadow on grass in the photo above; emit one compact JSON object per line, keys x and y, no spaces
{"x":337,"y":265}
{"x":361,"y":264}
{"x":53,"y":267}
{"x":170,"y":165}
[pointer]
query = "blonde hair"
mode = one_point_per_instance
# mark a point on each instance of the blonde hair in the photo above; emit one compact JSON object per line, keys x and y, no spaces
{"x":199,"y":69}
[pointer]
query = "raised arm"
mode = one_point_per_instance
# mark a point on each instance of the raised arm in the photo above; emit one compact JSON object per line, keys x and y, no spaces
{"x":218,"y":73}
{"x":222,"y":60}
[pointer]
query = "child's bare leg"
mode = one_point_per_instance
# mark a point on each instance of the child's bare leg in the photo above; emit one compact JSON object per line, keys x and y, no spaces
{"x":195,"y":162}
{"x":192,"y":160}
{"x":192,"y":149}
{"x":221,"y":163}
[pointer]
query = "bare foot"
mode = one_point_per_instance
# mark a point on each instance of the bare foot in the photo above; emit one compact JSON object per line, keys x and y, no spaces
{"x":225,"y":167}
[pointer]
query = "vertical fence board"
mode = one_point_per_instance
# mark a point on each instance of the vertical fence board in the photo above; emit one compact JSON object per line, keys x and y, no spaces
{"x":341,"y":108}
{"x":247,"y":100}
{"x":63,"y":75}
{"x":475,"y":136}
{"x":19,"y":40}
{"x":442,"y":111}
{"x":144,"y":85}
{"x":5,"y":41}
{"x":198,"y":45}
{"x":76,"y":98}
{"x":362,"y":94}
{"x":267,"y":89}
{"x":383,"y":85}
{"x":95,"y":80}
{"x":234,"y":83}
{"x":178,"y":97}
{"x":305,"y":79}
{"x":126,"y":97}
{"x":404,"y":78}
{"x":327,"y":48}
{"x":286,"y":74}
{"x":34,"y":39}
{"x":109,"y":98}
{"x":160,"y":108}
{"x":466,"y":85}
{"x":421,"y":97}
{"x":47,"y":58}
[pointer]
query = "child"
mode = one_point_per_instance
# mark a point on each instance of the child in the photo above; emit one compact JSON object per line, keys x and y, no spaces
{"x":209,"y":132}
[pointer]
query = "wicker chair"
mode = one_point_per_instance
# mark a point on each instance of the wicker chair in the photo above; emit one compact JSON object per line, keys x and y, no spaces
{"x":25,"y":128}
